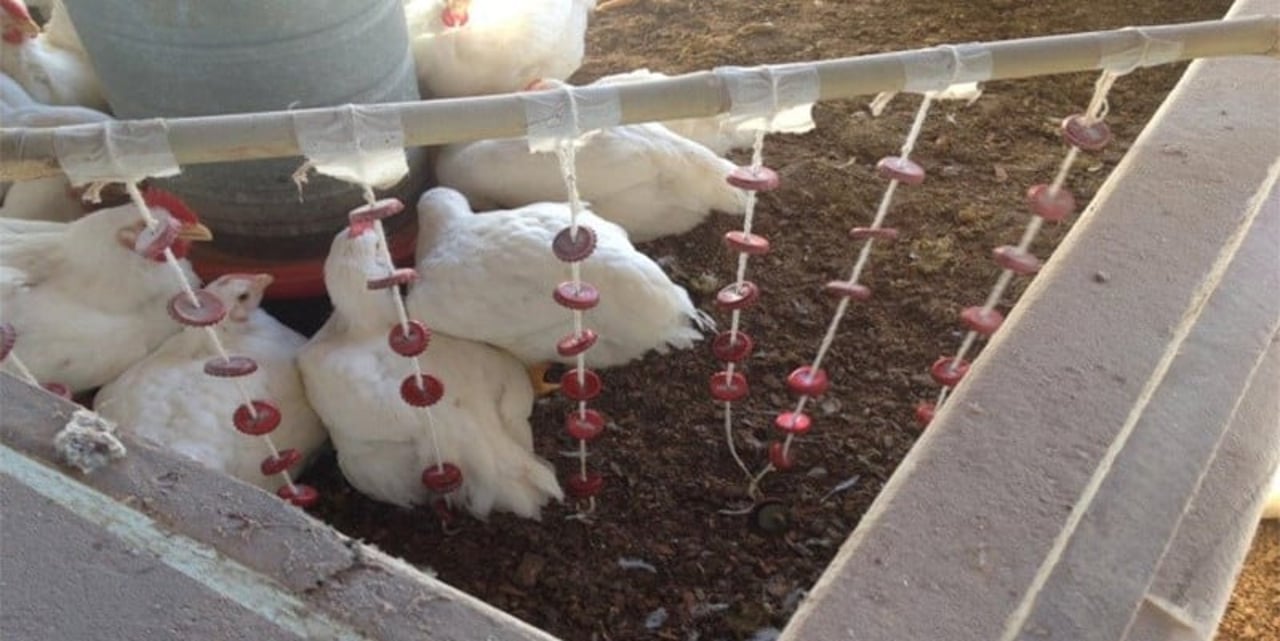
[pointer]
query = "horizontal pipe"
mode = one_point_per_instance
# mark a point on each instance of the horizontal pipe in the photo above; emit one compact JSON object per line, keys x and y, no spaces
{"x":29,"y":153}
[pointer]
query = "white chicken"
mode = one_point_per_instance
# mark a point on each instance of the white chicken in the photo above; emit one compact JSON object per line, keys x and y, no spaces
{"x":489,"y":277}
{"x":58,"y":29}
{"x":167,"y":398}
{"x":51,"y":197}
{"x":477,"y":47}
{"x":644,"y":177}
{"x":52,"y":67}
{"x":481,"y":424}
{"x":86,"y":304}
{"x":720,"y":134}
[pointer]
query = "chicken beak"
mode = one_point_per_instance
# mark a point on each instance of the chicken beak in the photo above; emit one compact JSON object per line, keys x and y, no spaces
{"x":195,"y":232}
{"x":15,"y":19}
{"x":19,"y":21}
{"x":29,"y":27}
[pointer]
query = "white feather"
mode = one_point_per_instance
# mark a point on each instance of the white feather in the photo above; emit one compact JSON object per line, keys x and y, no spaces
{"x":85,"y":307}
{"x":489,"y":278}
{"x":168,"y":399}
{"x":481,"y":424}
{"x":53,"y":66}
{"x":645,"y":178}
{"x":504,"y":46}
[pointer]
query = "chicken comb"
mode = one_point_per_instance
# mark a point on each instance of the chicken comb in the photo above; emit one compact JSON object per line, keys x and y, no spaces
{"x":358,"y":228}
{"x":156,"y":197}
{"x":16,"y":9}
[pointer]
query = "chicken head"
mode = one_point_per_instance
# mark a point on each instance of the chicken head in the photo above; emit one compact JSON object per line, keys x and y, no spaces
{"x":242,"y":293}
{"x":356,"y":257}
{"x":16,"y":24}
{"x":456,"y":13}
{"x":172,"y":212}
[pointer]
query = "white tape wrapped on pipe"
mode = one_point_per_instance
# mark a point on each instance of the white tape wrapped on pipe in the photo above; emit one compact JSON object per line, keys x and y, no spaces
{"x":118,"y":151}
{"x":360,"y":144}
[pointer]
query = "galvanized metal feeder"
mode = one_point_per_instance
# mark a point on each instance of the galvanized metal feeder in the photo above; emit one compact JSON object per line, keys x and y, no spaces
{"x":166,"y":59}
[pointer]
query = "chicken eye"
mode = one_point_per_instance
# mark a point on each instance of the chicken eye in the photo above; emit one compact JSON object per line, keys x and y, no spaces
{"x":243,"y":297}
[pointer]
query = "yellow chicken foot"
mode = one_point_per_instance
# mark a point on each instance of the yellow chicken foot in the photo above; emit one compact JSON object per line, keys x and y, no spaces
{"x":538,"y":376}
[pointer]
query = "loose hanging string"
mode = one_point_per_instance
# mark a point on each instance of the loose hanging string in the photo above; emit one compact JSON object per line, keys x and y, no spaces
{"x":864,"y":255}
{"x":402,"y":313}
{"x":125,"y":152}
{"x":740,"y":284}
{"x":364,"y":145}
{"x":135,"y":196}
{"x":1054,"y":192}
{"x":566,"y":154}
{"x":247,"y":402}
{"x":735,"y":319}
{"x":22,"y":369}
{"x":582,"y":423}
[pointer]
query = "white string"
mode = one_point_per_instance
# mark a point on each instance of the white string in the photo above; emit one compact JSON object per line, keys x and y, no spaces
{"x":384,"y":246}
{"x":917,"y":126}
{"x":728,"y":432}
{"x":403,"y":314}
{"x":566,"y":155}
{"x":864,"y":256}
{"x":1096,"y":111}
{"x":753,"y":489}
{"x":1006,"y":275}
{"x":1098,"y":106}
{"x":22,"y":369}
{"x":171,"y":260}
{"x":735,"y":317}
{"x":748,"y":219}
{"x":247,"y":401}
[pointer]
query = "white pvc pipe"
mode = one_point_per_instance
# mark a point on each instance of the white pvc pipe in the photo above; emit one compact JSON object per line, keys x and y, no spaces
{"x":29,"y":153}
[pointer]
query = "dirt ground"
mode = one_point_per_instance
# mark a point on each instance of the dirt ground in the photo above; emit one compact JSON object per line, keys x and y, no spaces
{"x":659,"y":561}
{"x":1254,"y":611}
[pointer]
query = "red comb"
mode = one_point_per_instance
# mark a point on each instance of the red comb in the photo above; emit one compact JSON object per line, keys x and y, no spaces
{"x":357,"y":229}
{"x":156,"y":197}
{"x":16,"y":9}
{"x":452,"y":18}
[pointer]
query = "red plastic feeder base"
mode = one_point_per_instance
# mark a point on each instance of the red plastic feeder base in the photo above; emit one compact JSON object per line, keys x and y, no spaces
{"x":294,"y":279}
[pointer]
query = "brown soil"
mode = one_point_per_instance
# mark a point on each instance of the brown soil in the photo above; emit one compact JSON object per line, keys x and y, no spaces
{"x":715,"y":576}
{"x":1254,"y":611}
